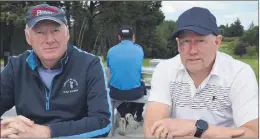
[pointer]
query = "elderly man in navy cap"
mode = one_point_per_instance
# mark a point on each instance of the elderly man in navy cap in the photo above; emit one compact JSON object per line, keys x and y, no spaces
{"x":57,"y":89}
{"x":201,"y":92}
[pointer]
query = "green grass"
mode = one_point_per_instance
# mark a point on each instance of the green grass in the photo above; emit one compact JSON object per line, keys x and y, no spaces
{"x":225,"y":47}
{"x":253,"y":61}
{"x":146,"y":62}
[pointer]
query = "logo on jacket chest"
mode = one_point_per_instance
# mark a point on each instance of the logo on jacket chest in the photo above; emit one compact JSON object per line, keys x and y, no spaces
{"x":70,"y":86}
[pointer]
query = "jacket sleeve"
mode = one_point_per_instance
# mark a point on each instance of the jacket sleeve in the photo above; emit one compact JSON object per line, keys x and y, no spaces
{"x":7,"y":91}
{"x":98,"y":121}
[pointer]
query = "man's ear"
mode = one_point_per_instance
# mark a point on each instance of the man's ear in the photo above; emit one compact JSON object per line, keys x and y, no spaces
{"x":27,"y":36}
{"x":67,"y":33}
{"x":218,"y":41}
{"x":178,"y":42}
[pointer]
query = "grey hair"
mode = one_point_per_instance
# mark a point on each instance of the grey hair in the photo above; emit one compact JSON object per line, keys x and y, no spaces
{"x":27,"y":28}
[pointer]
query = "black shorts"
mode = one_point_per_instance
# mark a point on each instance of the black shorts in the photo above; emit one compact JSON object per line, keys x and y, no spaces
{"x":131,"y":94}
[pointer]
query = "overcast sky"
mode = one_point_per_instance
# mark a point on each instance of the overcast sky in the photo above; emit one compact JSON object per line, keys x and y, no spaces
{"x":225,"y":11}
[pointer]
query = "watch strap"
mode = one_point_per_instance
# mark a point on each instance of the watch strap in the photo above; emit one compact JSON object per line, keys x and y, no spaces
{"x":198,"y":133}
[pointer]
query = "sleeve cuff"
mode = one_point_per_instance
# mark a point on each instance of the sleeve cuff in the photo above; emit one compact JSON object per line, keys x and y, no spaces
{"x":160,"y":99}
{"x":50,"y":130}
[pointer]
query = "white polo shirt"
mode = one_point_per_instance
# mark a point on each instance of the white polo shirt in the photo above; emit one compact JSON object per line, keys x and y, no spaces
{"x":227,"y":97}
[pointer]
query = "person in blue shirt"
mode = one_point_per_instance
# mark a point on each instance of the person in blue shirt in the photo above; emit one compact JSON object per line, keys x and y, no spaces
{"x":124,"y":65}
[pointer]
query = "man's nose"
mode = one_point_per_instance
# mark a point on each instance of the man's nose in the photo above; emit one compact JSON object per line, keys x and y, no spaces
{"x":193,"y":49}
{"x":49,"y":37}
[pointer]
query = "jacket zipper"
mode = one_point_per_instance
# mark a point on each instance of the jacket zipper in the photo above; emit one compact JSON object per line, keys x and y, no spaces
{"x":48,"y":94}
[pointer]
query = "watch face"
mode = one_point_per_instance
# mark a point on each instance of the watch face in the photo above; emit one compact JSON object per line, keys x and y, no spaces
{"x":202,"y":124}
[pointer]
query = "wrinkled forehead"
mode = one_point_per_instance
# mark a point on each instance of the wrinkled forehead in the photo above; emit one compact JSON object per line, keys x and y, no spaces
{"x":46,"y":24}
{"x":189,"y":33}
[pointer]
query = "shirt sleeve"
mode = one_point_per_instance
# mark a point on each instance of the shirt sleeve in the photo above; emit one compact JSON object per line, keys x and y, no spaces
{"x":244,"y":97}
{"x":160,"y":85}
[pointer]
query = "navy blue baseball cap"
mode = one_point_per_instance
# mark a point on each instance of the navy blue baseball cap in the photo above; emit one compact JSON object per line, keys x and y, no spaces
{"x":44,"y":12}
{"x":197,"y":19}
{"x":126,"y":31}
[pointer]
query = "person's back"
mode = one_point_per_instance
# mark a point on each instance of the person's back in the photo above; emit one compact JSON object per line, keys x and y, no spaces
{"x":125,"y":63}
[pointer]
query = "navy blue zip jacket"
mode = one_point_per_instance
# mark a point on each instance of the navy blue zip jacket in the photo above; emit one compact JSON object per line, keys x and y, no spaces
{"x":78,"y":103}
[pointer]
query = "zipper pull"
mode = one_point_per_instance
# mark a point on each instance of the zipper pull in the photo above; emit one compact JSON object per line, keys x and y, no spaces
{"x":47,"y":104}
